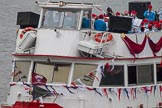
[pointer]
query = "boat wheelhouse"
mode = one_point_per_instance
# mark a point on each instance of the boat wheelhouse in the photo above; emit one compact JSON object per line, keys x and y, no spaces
{"x":62,"y":64}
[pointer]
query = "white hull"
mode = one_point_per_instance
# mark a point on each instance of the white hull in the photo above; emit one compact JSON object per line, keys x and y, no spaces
{"x":60,"y":66}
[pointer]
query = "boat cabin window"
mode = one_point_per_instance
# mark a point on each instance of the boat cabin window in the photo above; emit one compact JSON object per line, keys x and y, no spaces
{"x":21,"y":71}
{"x":159,"y":73}
{"x":84,"y":74}
{"x":66,"y":19}
{"x":140,"y":74}
{"x":86,"y":20}
{"x":55,"y":72}
{"x":113,"y":76}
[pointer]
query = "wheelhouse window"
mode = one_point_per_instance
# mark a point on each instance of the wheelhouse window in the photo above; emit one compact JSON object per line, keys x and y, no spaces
{"x":84,"y":74}
{"x":159,"y":73}
{"x":56,"y":72}
{"x":61,"y":19}
{"x":86,"y":20}
{"x":21,"y":71}
{"x":140,"y":74}
{"x":114,"y":77}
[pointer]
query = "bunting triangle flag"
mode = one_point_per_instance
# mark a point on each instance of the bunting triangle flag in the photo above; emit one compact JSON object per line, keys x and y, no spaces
{"x":39,"y":92}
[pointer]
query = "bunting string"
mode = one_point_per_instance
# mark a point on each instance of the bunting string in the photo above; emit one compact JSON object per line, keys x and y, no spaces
{"x":101,"y":91}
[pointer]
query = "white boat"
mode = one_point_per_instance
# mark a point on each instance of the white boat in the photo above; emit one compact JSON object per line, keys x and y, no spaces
{"x":59,"y":64}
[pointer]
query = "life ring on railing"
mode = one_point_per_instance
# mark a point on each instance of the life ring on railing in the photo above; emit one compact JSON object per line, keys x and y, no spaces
{"x":98,"y":37}
{"x":26,"y":30}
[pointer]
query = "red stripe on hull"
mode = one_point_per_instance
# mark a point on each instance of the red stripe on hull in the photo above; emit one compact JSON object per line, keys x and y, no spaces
{"x":32,"y":105}
{"x":3,"y":106}
{"x":82,"y":58}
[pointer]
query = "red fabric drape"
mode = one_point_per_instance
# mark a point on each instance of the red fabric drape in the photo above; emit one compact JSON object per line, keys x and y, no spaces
{"x":133,"y":47}
{"x":155,"y":47}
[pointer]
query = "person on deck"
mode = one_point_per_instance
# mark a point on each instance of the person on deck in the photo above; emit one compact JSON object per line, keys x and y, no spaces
{"x":149,"y":14}
{"x":135,"y":22}
{"x":86,"y":21}
{"x":109,"y":12}
{"x":94,"y":18}
{"x":160,"y":14}
{"x":117,"y":14}
{"x":100,"y":24}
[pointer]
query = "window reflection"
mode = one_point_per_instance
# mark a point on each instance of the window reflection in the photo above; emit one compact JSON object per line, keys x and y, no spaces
{"x":57,"y":73}
{"x":86,"y":22}
{"x":114,"y":77}
{"x":21,"y":70}
{"x":84,"y":74}
{"x":140,"y":74}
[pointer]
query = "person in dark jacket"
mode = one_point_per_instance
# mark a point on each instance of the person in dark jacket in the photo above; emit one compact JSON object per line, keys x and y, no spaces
{"x":109,"y":12}
{"x":100,"y":24}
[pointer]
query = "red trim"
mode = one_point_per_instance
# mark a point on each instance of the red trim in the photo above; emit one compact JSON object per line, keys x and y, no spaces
{"x":3,"y":106}
{"x":83,"y":58}
{"x":32,"y":105}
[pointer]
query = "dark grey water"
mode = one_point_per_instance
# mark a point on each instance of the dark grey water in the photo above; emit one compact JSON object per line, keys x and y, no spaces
{"x":8,"y":27}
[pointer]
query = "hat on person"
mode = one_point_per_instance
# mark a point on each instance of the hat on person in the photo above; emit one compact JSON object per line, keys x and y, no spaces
{"x":101,"y":16}
{"x":145,"y":20}
{"x":151,"y":22}
{"x":150,"y":26}
{"x":94,"y":15}
{"x":158,"y":25}
{"x":150,"y":6}
{"x":142,"y":23}
{"x":117,"y":13}
{"x":133,"y":12}
{"x":155,"y":22}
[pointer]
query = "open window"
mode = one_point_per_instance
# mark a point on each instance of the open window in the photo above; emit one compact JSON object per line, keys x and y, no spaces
{"x":140,"y":74}
{"x":114,"y":77}
{"x":21,"y":71}
{"x":55,"y":72}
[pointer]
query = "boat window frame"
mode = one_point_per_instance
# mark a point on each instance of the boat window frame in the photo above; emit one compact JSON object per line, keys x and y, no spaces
{"x":83,"y":13}
{"x":53,"y":75}
{"x":137,"y":73}
{"x":85,"y":76}
{"x":113,"y":85}
{"x":157,"y":66}
{"x":14,"y":66}
{"x":76,"y":11}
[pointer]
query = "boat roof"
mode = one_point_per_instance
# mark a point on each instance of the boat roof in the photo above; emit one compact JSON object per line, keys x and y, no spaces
{"x":69,"y":5}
